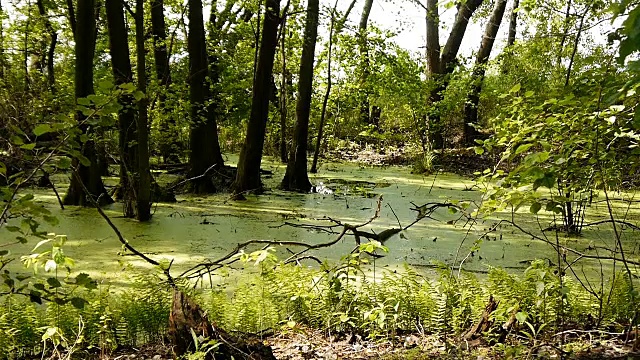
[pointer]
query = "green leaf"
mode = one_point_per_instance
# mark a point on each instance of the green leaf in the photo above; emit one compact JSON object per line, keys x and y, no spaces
{"x":521,"y":316}
{"x":84,"y":102}
{"x":12,"y":228}
{"x":105,"y":85}
{"x":515,"y":88}
{"x":83,"y":160}
{"x":64,"y":163}
{"x":41,"y":129}
{"x":35,"y":297}
{"x":82,"y":279}
{"x":535,"y":207}
{"x":17,"y":140}
{"x":138,"y":95}
{"x":28,"y":146}
{"x":54,"y":283}
{"x":38,"y":286}
{"x":522,"y":148}
{"x":78,"y":302}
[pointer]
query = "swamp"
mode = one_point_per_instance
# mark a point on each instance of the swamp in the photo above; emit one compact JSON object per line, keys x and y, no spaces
{"x":348,"y":179}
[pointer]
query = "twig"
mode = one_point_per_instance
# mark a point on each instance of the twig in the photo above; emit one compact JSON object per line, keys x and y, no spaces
{"x":125,"y":243}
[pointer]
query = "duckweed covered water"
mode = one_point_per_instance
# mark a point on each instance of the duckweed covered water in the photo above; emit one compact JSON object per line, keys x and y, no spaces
{"x":199,"y":228}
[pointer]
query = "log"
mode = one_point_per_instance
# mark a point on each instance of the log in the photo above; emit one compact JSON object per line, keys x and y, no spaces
{"x":187,"y":318}
{"x":485,"y":322}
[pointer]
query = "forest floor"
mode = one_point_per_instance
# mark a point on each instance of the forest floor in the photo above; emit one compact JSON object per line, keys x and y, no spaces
{"x":313,"y":344}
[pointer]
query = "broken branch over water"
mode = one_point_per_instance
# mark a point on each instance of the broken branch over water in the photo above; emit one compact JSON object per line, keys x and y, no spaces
{"x":336,"y":227}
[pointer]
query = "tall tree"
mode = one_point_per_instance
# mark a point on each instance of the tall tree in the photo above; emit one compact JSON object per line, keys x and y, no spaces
{"x":143,"y":173}
{"x":51,"y":77}
{"x":477,"y":78}
{"x":334,"y":30}
{"x":85,"y":175}
{"x":440,"y":64}
{"x":248,"y":176}
{"x":513,"y":23}
{"x":365,"y":116}
{"x":2,"y":59}
{"x":122,"y":74}
{"x":204,"y":145}
{"x":167,"y":142}
{"x":296,"y":177}
{"x":284,"y":157}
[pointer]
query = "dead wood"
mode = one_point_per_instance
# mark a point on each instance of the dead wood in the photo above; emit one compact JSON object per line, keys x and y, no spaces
{"x":188,"y":320}
{"x":484,"y":324}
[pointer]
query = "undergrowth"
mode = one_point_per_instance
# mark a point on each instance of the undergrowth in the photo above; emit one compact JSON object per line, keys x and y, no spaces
{"x":343,"y":299}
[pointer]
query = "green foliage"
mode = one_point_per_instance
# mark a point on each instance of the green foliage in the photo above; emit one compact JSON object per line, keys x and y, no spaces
{"x":560,"y":150}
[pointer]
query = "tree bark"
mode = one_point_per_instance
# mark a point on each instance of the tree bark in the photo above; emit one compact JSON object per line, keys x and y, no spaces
{"x":482,"y":58}
{"x":143,"y":176}
{"x":122,"y":74}
{"x":2,"y":57}
{"x":168,"y":144}
{"x":51,"y":77}
{"x":283,"y":94}
{"x":187,"y":318}
{"x":565,"y":30}
{"x":323,"y":113}
{"x":441,"y":64}
{"x":296,"y":177}
{"x":365,"y":117}
{"x":85,"y":175}
{"x":204,"y":143}
{"x":71,"y":13}
{"x":248,"y":175}
{"x":513,"y":24}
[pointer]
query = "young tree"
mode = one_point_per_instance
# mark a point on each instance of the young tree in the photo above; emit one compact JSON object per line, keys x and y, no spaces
{"x":248,"y":176}
{"x":122,"y":74}
{"x":337,"y":28}
{"x":440,"y":64}
{"x":2,"y":56}
{"x":205,"y":148}
{"x":296,"y":177}
{"x":513,"y":23}
{"x":85,"y":174}
{"x":365,"y":115}
{"x":482,"y":58}
{"x":51,"y":77}
{"x":167,"y":141}
{"x":143,"y":175}
{"x":284,"y":157}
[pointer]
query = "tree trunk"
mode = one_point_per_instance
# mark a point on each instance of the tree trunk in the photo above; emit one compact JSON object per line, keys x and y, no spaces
{"x":441,"y":64}
{"x":143,"y":176}
{"x":51,"y":77}
{"x":187,"y":318}
{"x":71,"y":13}
{"x":248,"y":176}
{"x":122,"y":74}
{"x":204,"y":145}
{"x":168,"y":144}
{"x":565,"y":30}
{"x":482,"y":58}
{"x":296,"y":177}
{"x":283,"y":94}
{"x":338,"y":27}
{"x":513,"y":23}
{"x":2,"y":58}
{"x":85,"y":175}
{"x":364,"y":62}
